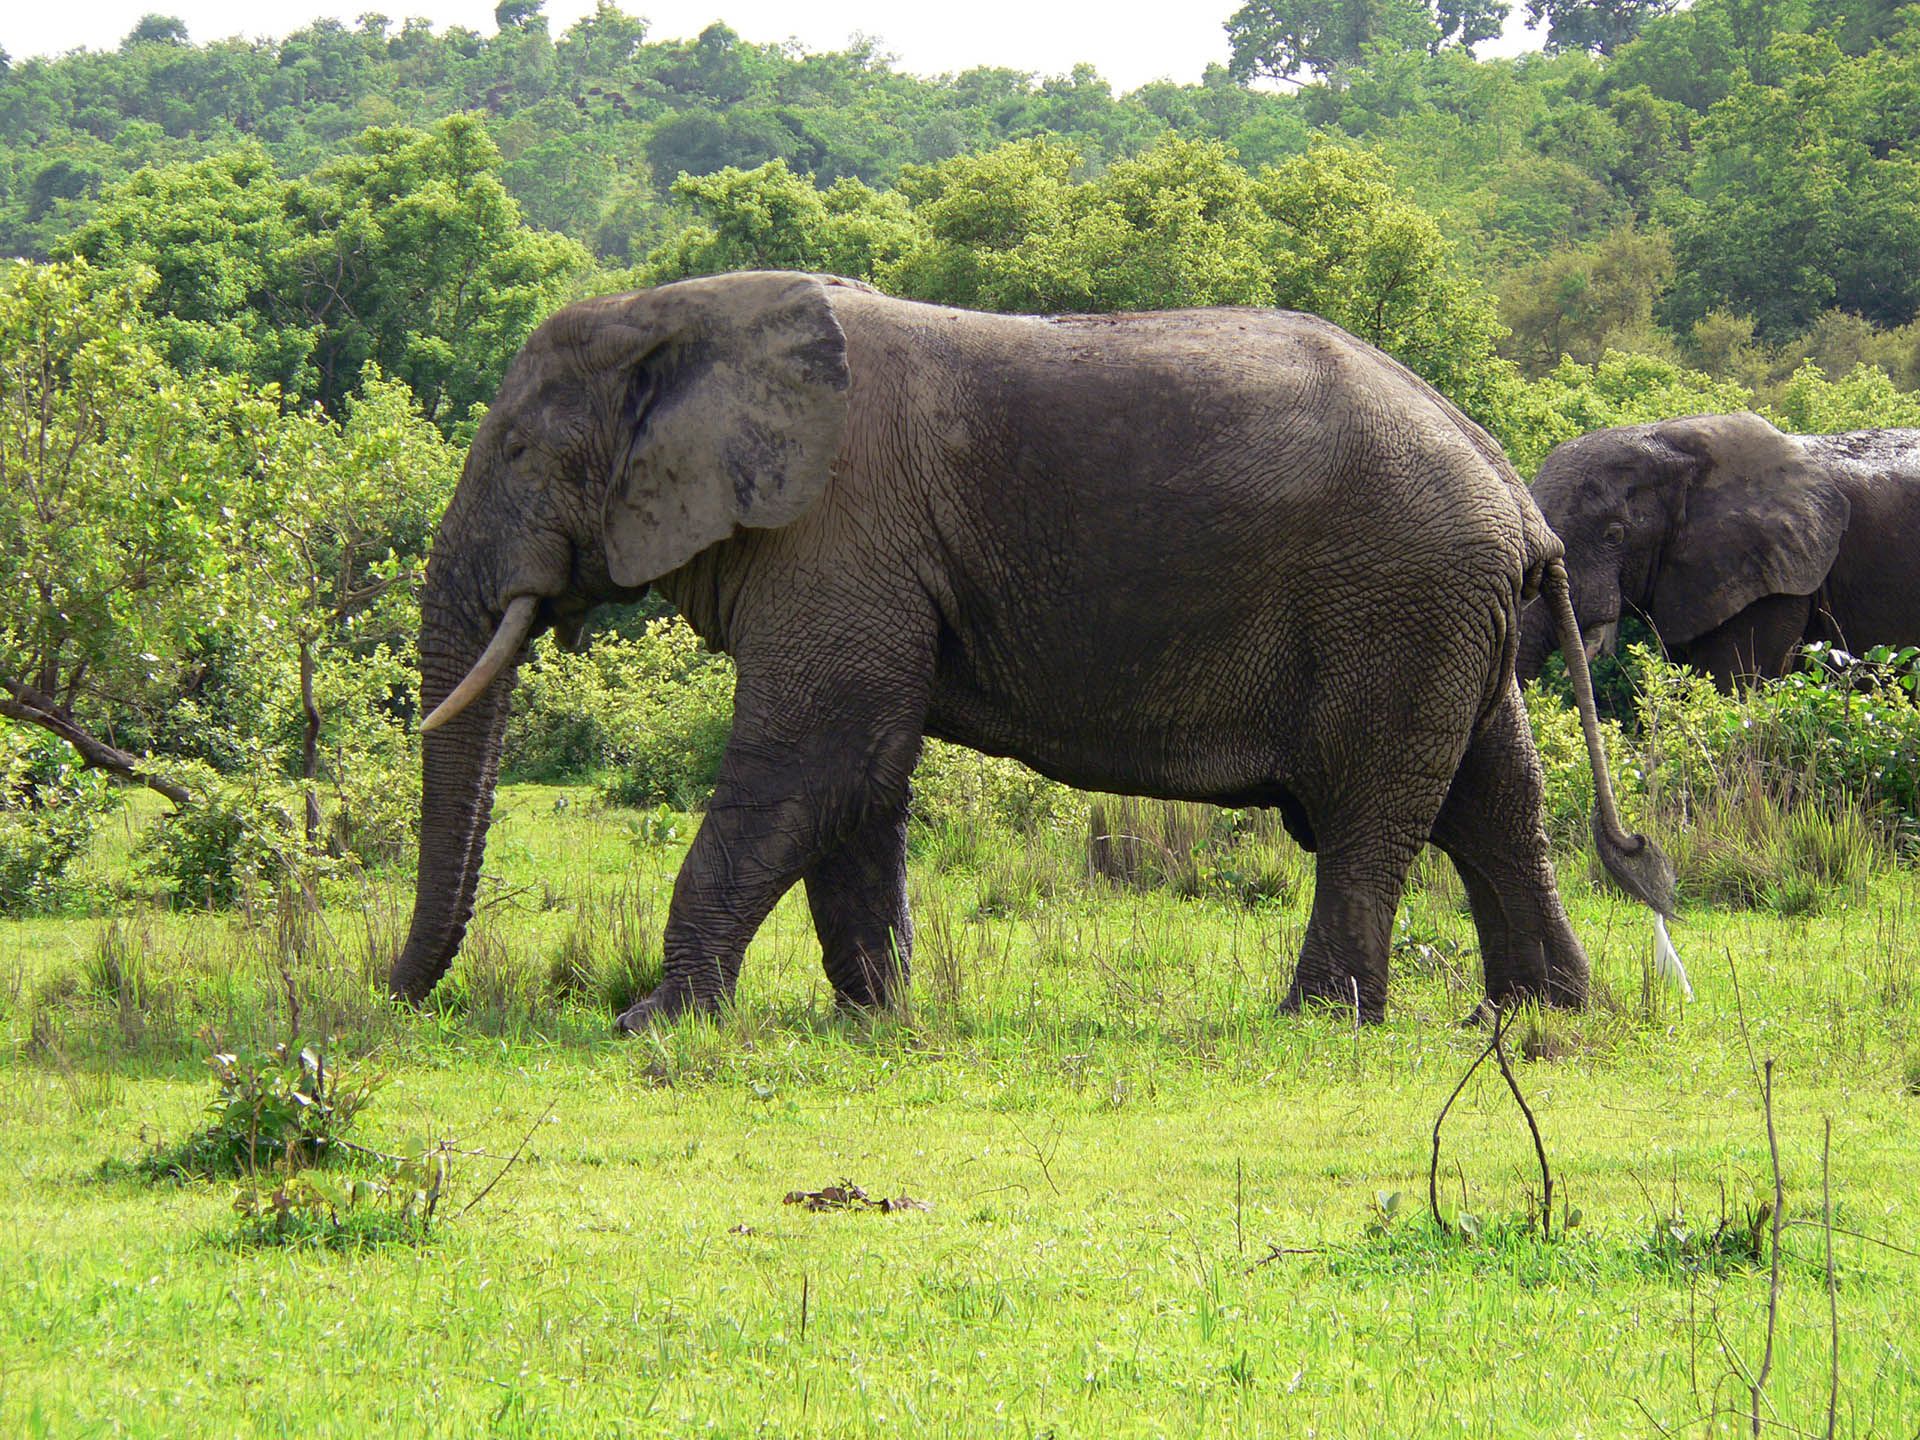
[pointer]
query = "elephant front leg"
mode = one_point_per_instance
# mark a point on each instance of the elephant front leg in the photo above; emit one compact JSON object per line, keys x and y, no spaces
{"x":778,"y":813}
{"x":858,"y":894}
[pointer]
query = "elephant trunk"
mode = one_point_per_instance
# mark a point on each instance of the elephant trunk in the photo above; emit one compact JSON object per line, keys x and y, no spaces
{"x":460,"y":764}
{"x":1636,"y":864}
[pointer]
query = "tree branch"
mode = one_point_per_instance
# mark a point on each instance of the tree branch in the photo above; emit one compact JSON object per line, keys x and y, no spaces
{"x":25,"y":704}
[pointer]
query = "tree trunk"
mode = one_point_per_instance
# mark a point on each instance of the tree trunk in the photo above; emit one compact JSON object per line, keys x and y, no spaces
{"x":310,"y":744}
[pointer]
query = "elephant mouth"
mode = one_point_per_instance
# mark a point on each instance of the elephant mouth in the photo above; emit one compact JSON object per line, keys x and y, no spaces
{"x":1600,"y":640}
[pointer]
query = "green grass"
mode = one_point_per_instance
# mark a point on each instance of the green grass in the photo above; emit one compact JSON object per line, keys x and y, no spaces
{"x":1092,"y":1089}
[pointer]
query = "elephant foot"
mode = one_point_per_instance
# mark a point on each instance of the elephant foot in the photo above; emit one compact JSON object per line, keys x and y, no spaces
{"x":669,"y":1001}
{"x":1481,"y":1017}
{"x":1301,"y":1000}
{"x":867,"y":984}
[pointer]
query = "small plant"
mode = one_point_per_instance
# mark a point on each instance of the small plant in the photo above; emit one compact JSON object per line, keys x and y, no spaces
{"x":1386,"y":1209}
{"x":281,"y":1108}
{"x":239,"y":835}
{"x":653,"y":828}
{"x":1677,"y":1245}
{"x":291,"y":1205}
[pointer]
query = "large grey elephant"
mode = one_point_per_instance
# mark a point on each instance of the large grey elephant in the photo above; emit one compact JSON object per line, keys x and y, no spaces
{"x":1738,"y":542}
{"x":1224,"y":555}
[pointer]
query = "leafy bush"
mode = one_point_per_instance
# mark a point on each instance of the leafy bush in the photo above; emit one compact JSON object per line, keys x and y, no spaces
{"x":240,"y":833}
{"x":1569,"y":785}
{"x":650,"y":714}
{"x":282,"y":1108}
{"x":955,"y":786}
{"x":1839,"y":727}
{"x":49,"y":809}
{"x":1776,"y":797}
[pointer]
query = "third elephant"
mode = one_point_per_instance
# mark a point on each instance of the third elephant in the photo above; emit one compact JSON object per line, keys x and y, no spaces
{"x":1739,"y":543}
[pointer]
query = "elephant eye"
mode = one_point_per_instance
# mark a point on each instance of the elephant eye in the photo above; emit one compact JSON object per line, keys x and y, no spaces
{"x":1614,"y":533}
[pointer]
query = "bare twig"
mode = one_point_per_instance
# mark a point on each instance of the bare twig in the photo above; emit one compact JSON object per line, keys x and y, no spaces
{"x":1773,"y":1282}
{"x":1858,"y":1235}
{"x":1043,"y":1158}
{"x":1433,"y":1166}
{"x":1833,"y":1296}
{"x":1539,"y":1147}
{"x":1763,"y":1078}
{"x":498,"y":1174}
{"x":1280,"y":1252}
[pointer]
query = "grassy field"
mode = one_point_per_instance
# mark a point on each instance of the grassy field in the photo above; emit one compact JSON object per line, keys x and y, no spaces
{"x":1158,"y":1207}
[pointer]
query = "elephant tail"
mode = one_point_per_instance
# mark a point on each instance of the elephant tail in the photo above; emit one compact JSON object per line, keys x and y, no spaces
{"x":1637,"y":865}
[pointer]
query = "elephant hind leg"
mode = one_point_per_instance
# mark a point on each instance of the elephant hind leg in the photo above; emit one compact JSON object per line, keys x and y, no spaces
{"x":1491,"y":828}
{"x":857,"y":892}
{"x":1359,"y":877}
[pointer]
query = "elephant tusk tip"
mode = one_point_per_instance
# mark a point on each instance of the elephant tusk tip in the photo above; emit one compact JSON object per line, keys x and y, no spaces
{"x":512,"y":633}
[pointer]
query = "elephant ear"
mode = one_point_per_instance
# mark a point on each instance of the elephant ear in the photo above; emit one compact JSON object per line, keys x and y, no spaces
{"x":736,"y":406}
{"x":1759,"y":520}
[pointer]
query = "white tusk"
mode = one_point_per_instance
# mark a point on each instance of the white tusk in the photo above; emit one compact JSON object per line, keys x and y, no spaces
{"x":1666,"y":959}
{"x":505,"y":644}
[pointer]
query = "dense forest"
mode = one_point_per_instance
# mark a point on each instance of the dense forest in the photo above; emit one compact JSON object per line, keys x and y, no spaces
{"x":269,"y":286}
{"x":1733,"y":184}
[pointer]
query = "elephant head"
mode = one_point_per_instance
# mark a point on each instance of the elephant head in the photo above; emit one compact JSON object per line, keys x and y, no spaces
{"x":629,"y":435}
{"x":1687,"y":522}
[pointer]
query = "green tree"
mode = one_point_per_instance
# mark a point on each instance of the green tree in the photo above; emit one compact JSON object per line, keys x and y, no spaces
{"x":1805,"y":193}
{"x":1350,"y":246}
{"x":1598,"y":25}
{"x":334,"y":520}
{"x":1282,"y":39}
{"x":112,"y":489}
{"x":772,"y":219}
{"x":218,"y":237}
{"x":417,"y":260}
{"x":1587,"y":300}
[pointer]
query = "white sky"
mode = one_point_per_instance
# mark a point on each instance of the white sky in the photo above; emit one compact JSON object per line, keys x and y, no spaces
{"x":1129,"y":42}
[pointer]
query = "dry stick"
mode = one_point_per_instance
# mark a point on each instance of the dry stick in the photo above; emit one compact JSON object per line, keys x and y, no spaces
{"x":1539,"y":1148}
{"x":1763,"y":1077}
{"x":1280,"y":1252}
{"x":1773,"y":1282}
{"x":1433,"y":1166}
{"x":510,"y":1162}
{"x":1833,"y":1297}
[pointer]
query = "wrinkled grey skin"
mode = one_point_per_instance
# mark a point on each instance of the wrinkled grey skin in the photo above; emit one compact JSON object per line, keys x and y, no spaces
{"x":1737,"y":542}
{"x":1161,"y":554}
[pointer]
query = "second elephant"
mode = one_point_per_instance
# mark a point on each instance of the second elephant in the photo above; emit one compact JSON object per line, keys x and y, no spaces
{"x":1738,"y":542}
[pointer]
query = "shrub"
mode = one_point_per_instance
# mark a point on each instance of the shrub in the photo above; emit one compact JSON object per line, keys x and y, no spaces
{"x":958,"y":788}
{"x":1839,"y":729}
{"x":1776,"y":797}
{"x":49,"y":809}
{"x":239,"y":834}
{"x":651,"y":714}
{"x":1568,"y":794}
{"x":285,"y":1108}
